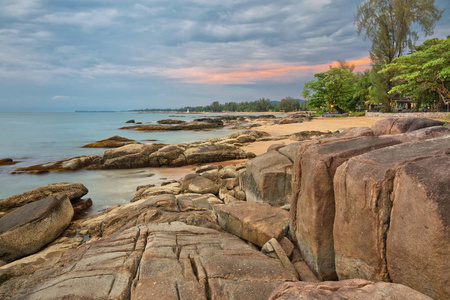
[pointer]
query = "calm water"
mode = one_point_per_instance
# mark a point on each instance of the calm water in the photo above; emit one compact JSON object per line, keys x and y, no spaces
{"x":35,"y":138}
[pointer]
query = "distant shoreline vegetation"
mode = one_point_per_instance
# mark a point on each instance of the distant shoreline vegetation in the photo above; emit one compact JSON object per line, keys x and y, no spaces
{"x":262,"y":105}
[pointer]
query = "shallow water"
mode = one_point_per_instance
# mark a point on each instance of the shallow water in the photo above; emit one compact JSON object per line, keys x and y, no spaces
{"x":35,"y":138}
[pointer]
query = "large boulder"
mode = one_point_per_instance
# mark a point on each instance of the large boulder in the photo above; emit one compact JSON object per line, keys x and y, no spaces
{"x":363,"y":188}
{"x":32,"y":226}
{"x":418,"y":240}
{"x":207,"y":153}
{"x":401,"y":125}
{"x":268,"y":179}
{"x":313,"y":210}
{"x":73,"y":191}
{"x":171,"y":155}
{"x":129,"y":156}
{"x":203,"y":185}
{"x":254,"y":222}
{"x":69,"y":164}
{"x":355,"y":289}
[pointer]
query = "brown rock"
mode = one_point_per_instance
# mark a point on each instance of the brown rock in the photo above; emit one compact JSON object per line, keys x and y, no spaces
{"x":208,"y":153}
{"x":112,"y":142}
{"x":363,"y":195}
{"x":30,"y":227}
{"x":401,"y":125}
{"x":7,"y":161}
{"x":268,"y":179}
{"x":314,"y":210}
{"x":355,"y":289}
{"x":73,"y":190}
{"x":70,"y":164}
{"x":418,"y":240}
{"x":171,"y":155}
{"x":254,"y":222}
{"x":202,"y":185}
{"x":129,"y":156}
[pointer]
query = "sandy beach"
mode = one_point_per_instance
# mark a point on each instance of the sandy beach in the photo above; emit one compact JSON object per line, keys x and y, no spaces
{"x":319,"y":124}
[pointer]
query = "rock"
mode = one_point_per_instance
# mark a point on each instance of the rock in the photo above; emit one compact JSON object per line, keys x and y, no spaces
{"x":198,"y":124}
{"x":208,"y":153}
{"x":30,"y":227}
{"x":268,"y":179}
{"x":7,"y":161}
{"x":364,"y":196}
{"x":202,"y":185}
{"x":356,"y":132}
{"x":112,"y":142}
{"x":419,"y":231}
{"x":313,"y":210}
{"x":170,"y":121}
{"x":402,"y":125}
{"x":154,"y":261}
{"x":129,"y":156}
{"x":287,"y":246}
{"x":307,"y":135}
{"x":354,"y":289}
{"x":70,"y":164}
{"x":171,"y":155}
{"x":145,"y":193}
{"x":254,"y":222}
{"x":131,"y":121}
{"x":73,"y":190}
{"x":205,"y":168}
{"x":273,"y":249}
{"x":80,"y":207}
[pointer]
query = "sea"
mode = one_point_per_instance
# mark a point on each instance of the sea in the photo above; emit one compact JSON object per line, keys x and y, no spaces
{"x":37,"y":137}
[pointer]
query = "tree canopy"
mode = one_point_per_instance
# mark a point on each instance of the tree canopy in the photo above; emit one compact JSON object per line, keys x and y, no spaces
{"x":425,"y":70}
{"x":333,"y":88}
{"x":388,"y":23}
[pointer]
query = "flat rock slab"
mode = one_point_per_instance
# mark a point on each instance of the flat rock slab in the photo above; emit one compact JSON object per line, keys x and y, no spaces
{"x":72,"y":190}
{"x":157,"y":261}
{"x":30,"y":227}
{"x":356,"y":289}
{"x":254,"y":222}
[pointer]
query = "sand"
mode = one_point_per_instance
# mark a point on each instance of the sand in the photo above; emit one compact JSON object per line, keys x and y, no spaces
{"x":319,"y":124}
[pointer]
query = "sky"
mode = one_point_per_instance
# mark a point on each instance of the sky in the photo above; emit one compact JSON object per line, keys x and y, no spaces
{"x":119,"y":55}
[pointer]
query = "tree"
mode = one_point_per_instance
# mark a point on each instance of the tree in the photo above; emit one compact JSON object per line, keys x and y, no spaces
{"x":387,"y":23}
{"x":424,"y":71}
{"x":362,"y":89}
{"x":289,"y":104}
{"x":332,"y":89}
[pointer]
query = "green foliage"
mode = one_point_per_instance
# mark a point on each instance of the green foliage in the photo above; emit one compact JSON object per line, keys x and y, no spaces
{"x":424,"y":73}
{"x":388,"y":23}
{"x":289,"y":104}
{"x":332,"y":89}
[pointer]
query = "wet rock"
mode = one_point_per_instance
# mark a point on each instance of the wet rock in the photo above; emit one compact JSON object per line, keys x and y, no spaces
{"x":129,"y":156}
{"x":131,"y":121}
{"x":198,"y":124}
{"x":170,"y":121}
{"x":7,"y":162}
{"x":71,"y":164}
{"x":112,"y":142}
{"x":80,"y":207}
{"x":402,"y":125}
{"x":73,"y":190}
{"x":254,"y":222}
{"x":356,"y":289}
{"x":30,"y":227}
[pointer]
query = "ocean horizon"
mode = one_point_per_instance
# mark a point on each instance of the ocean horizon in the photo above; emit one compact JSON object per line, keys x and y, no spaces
{"x":40,"y":137}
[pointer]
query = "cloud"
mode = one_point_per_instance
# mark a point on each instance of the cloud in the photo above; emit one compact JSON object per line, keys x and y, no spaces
{"x":19,"y":8}
{"x":85,"y":19}
{"x":60,"y":97}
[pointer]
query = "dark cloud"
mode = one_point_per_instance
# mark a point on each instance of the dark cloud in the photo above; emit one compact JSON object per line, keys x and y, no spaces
{"x":123,"y":54}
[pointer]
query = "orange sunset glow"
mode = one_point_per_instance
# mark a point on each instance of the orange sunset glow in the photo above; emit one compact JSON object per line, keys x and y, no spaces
{"x":251,"y":74}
